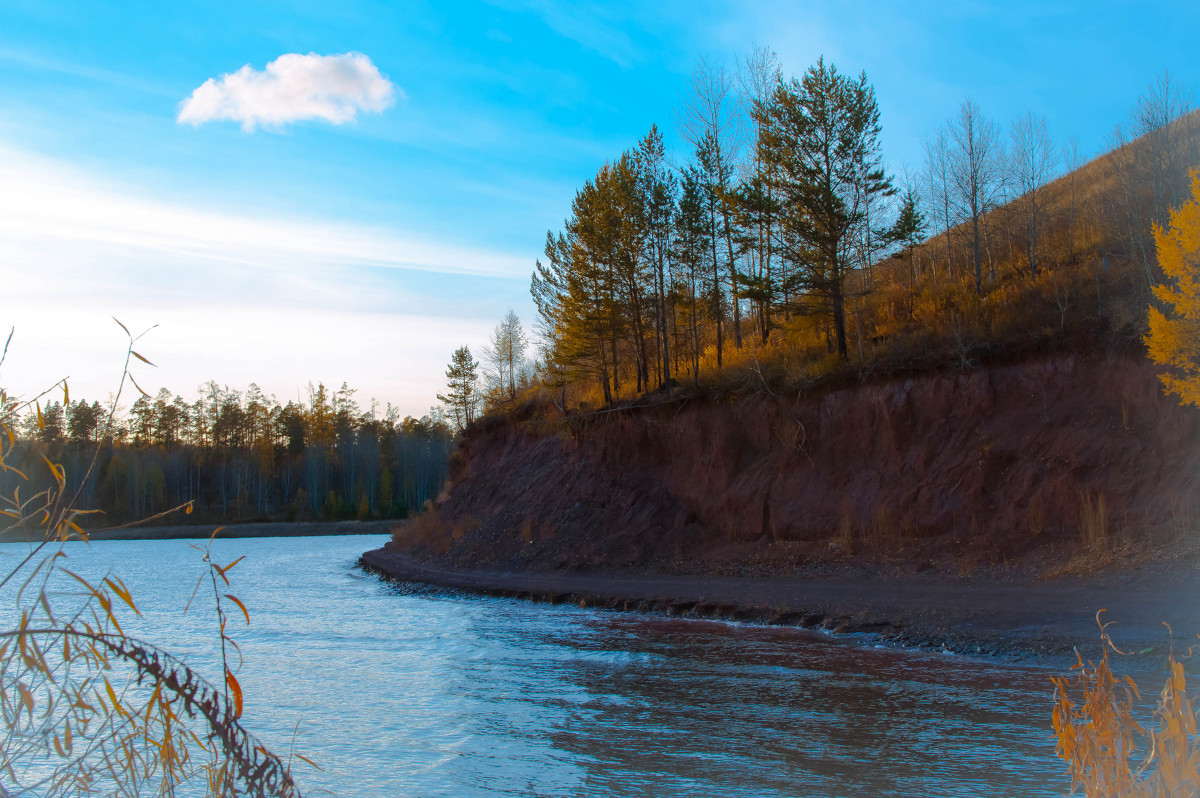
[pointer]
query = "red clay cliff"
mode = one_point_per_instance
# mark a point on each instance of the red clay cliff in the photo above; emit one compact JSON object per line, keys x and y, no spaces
{"x":976,"y":466}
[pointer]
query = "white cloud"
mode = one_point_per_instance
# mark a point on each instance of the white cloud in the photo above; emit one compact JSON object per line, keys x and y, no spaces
{"x":292,"y":87}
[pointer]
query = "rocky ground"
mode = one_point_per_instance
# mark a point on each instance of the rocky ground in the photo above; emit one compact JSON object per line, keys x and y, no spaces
{"x":1016,"y":617}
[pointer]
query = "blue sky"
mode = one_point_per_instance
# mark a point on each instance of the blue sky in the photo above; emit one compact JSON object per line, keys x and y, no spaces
{"x":365,"y":250}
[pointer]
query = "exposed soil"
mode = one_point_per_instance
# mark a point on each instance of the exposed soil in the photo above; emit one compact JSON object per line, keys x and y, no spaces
{"x":1025,"y":464}
{"x":928,"y":509}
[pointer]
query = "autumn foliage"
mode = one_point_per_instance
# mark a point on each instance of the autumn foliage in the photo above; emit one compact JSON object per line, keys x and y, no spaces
{"x":703,"y":274}
{"x":1110,"y":752}
{"x":1174,"y":338}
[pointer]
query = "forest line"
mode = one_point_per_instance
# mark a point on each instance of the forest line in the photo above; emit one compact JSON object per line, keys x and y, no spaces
{"x":235,"y":455}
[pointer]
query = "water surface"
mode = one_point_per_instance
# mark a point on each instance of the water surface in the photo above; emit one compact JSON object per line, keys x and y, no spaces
{"x":413,"y":693}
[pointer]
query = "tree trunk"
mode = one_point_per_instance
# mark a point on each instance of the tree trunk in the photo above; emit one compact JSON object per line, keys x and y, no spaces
{"x":662,"y":324}
{"x":976,"y":253}
{"x":839,"y":321}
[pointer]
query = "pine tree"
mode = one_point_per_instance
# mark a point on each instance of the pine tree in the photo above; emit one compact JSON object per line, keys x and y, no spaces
{"x":462,"y":398}
{"x":657,"y":190}
{"x":820,"y":140}
{"x":693,"y":232}
{"x":594,"y":293}
{"x":908,"y":230}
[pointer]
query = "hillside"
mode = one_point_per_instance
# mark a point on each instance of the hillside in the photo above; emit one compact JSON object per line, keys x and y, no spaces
{"x":1022,"y":424}
{"x":1033,"y":463}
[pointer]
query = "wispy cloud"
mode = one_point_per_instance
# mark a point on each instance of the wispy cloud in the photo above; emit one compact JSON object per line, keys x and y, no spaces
{"x":45,"y":64}
{"x":598,"y":27}
{"x":238,"y":296}
{"x":292,"y":88}
{"x":47,"y":202}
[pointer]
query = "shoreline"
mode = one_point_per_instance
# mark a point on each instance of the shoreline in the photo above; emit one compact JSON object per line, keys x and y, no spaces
{"x":263,"y":529}
{"x":1039,"y":621}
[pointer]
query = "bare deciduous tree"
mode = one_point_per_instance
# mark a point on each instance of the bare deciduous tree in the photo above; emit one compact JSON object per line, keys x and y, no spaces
{"x":711,"y":120}
{"x":938,"y":189}
{"x":976,"y":172}
{"x":505,"y":354}
{"x":1166,"y":151}
{"x":758,"y":74}
{"x":1034,"y":161}
{"x":1152,"y":174}
{"x":1072,"y":162}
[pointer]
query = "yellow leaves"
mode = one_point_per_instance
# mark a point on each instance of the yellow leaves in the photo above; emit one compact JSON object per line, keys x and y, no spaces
{"x":224,"y":570}
{"x":75,"y":686}
{"x":57,"y":471}
{"x":117,"y":586}
{"x":1174,"y":337}
{"x":235,"y":688}
{"x":241,"y":606}
{"x":117,"y":706}
{"x":26,"y":698}
{"x":139,"y":357}
{"x":135,"y":385}
{"x":102,"y":598}
{"x":1100,"y":739}
{"x":308,"y":761}
{"x":63,"y":746}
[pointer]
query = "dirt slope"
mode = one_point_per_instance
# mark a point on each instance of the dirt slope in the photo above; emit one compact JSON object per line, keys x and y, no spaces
{"x":967,"y":467}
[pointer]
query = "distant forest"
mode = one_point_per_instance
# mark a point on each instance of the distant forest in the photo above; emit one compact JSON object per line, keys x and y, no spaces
{"x":239,"y":455}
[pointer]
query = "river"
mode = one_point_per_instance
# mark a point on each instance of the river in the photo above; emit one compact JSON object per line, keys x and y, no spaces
{"x":420,"y":693}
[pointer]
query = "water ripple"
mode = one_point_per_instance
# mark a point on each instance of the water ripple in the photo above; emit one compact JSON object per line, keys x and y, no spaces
{"x":419,"y":693}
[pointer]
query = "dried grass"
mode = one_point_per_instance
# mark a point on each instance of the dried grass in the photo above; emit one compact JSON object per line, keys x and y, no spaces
{"x":1094,"y":523}
{"x":1110,"y":752}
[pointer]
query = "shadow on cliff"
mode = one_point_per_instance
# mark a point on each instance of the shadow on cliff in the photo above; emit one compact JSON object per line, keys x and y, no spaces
{"x":1047,"y":461}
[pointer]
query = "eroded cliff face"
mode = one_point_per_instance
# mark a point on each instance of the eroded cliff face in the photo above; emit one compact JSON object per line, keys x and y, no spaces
{"x":999,"y":461}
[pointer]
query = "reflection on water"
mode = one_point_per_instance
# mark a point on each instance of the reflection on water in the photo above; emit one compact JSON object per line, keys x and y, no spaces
{"x":421,"y":694}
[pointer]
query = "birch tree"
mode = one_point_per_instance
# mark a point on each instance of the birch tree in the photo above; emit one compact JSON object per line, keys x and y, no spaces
{"x":977,"y":172}
{"x":711,"y":121}
{"x":505,"y":354}
{"x":1034,"y":160}
{"x":939,"y":189}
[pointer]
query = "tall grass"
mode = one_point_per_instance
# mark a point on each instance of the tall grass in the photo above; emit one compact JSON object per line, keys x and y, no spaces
{"x":1093,"y":522}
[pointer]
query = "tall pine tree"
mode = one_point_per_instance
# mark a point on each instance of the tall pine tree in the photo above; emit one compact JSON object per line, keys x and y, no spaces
{"x":820,"y":138}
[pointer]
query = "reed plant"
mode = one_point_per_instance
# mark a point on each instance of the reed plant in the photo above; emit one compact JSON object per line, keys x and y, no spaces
{"x":1111,"y":749}
{"x":86,"y":708}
